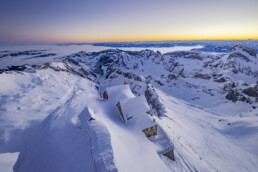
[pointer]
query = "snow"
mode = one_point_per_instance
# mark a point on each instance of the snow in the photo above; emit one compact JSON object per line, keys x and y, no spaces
{"x":132,"y":150}
{"x":162,"y":49}
{"x":133,"y":107}
{"x":213,"y":150}
{"x":142,"y":122}
{"x":44,"y":119}
{"x":64,"y":50}
{"x":7,"y":160}
{"x":87,"y":114}
{"x":119,"y":92}
{"x":60,"y":137}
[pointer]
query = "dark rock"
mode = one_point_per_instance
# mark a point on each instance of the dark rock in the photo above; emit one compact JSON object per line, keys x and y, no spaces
{"x":73,"y":61}
{"x":159,"y":82}
{"x":251,"y":91}
{"x":245,"y":84}
{"x":20,"y":53}
{"x":170,"y":154}
{"x":235,"y":96}
{"x":238,"y":55}
{"x":185,"y":54}
{"x":202,"y":76}
{"x":105,"y":60}
{"x":153,"y":101}
{"x":245,"y":49}
{"x":238,"y":51}
{"x":15,"y":68}
{"x":220,"y":80}
{"x":171,"y":76}
{"x":129,"y":75}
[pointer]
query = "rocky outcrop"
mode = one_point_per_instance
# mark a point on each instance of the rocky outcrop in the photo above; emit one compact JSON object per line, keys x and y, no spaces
{"x":182,"y":68}
{"x":235,"y":96}
{"x":153,"y":100}
{"x":221,"y":80}
{"x":21,"y":53}
{"x":238,"y":55}
{"x":241,"y":52}
{"x":243,"y":49}
{"x":251,"y":91}
{"x":16,"y":68}
{"x":185,"y":54}
{"x":202,"y":76}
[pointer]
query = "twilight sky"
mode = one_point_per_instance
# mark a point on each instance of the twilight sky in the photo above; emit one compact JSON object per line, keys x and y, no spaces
{"x":126,"y":20}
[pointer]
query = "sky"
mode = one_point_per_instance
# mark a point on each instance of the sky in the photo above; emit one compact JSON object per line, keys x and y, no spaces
{"x":57,"y":21}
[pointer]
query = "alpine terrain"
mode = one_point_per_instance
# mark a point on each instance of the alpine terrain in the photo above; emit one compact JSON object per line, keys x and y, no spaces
{"x":86,"y":112}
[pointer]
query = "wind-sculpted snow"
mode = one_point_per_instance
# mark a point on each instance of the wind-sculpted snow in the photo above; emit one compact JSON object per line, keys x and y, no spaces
{"x":53,"y":117}
{"x":63,"y":144}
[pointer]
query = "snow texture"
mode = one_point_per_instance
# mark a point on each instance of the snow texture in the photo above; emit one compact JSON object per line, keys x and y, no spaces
{"x":206,"y":101}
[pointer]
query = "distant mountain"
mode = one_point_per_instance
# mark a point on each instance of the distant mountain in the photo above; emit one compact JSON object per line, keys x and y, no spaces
{"x":223,"y":46}
{"x":215,"y":75}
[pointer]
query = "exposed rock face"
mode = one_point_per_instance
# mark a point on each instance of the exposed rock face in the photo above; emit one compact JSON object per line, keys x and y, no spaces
{"x":235,"y":96}
{"x":184,"y":67}
{"x":170,"y":154}
{"x":154,"y":101}
{"x":198,"y":72}
{"x":238,"y":55}
{"x":187,"y":55}
{"x":25,"y":53}
{"x":171,"y":77}
{"x":221,"y":80}
{"x":241,"y":52}
{"x":71,"y":66}
{"x":129,"y":75}
{"x":202,"y":76}
{"x":16,"y":68}
{"x":244,"y":49}
{"x":251,"y":91}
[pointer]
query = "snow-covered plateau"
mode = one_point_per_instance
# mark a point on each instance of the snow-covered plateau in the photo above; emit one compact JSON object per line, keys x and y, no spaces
{"x":56,"y":116}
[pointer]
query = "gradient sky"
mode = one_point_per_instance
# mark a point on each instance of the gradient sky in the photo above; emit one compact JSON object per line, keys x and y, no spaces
{"x":126,"y":20}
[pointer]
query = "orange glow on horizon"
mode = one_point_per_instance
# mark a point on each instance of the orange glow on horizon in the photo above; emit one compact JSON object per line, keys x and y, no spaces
{"x":100,"y":40}
{"x":127,"y":21}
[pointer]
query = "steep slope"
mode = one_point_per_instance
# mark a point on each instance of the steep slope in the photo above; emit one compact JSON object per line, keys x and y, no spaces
{"x":65,"y":140}
{"x":209,"y":142}
{"x":205,"y":105}
{"x":56,"y":143}
{"x":191,"y":76}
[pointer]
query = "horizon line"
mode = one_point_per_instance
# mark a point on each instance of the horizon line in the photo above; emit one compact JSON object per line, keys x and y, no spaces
{"x":45,"y":42}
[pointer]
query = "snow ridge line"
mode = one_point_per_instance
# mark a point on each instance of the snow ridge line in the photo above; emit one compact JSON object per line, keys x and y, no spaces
{"x":91,"y":154}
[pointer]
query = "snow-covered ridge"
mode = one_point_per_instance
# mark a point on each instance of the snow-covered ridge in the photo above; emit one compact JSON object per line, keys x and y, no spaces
{"x":187,"y":68}
{"x":204,"y":104}
{"x":205,"y":45}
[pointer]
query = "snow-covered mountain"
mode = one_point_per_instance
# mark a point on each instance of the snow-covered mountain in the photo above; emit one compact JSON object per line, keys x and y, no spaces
{"x":207,"y":45}
{"x":205,"y":106}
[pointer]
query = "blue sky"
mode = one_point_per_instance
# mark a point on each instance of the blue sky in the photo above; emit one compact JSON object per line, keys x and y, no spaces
{"x":120,"y":20}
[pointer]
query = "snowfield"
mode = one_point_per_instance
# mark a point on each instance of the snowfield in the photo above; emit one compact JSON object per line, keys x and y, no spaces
{"x":53,"y":116}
